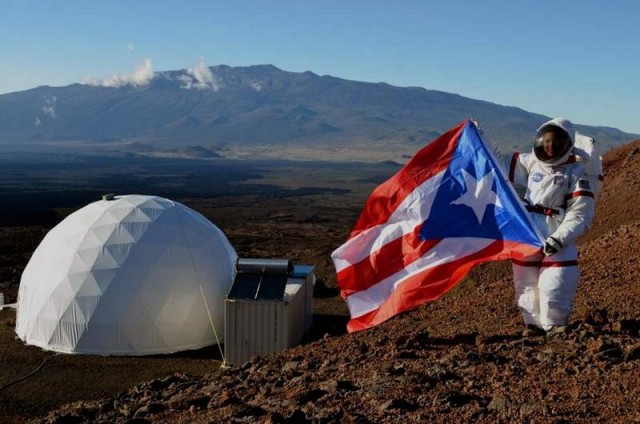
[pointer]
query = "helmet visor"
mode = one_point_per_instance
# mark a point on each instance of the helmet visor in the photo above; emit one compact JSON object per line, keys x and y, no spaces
{"x":551,"y":144}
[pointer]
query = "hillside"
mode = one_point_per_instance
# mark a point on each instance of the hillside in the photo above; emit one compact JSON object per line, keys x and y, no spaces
{"x":460,"y":359}
{"x":258,"y":111}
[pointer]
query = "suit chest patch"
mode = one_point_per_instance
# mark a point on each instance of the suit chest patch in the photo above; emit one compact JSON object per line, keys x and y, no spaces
{"x":536,"y":177}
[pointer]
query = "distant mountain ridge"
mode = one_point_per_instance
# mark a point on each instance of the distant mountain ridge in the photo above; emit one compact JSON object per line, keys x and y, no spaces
{"x":225,"y":108}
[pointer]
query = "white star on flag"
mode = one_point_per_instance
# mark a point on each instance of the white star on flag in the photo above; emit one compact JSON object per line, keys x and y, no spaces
{"x":479,"y":194}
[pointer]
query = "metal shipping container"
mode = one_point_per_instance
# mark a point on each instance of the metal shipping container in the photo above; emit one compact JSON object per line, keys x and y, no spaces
{"x":268,"y":309}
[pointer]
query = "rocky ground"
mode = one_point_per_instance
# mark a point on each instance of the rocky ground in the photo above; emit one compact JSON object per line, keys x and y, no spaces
{"x":460,"y":359}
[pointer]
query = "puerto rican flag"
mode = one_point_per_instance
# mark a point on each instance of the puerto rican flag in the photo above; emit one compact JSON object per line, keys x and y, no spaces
{"x":422,"y":231}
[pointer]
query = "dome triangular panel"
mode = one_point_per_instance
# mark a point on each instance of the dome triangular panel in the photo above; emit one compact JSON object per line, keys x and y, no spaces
{"x":124,"y":277}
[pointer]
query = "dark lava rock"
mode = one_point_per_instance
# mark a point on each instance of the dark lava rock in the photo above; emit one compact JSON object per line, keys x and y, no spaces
{"x":400,"y":404}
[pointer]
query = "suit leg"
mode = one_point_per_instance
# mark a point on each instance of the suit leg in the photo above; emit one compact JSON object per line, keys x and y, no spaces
{"x":525,"y":276}
{"x":557,"y":287}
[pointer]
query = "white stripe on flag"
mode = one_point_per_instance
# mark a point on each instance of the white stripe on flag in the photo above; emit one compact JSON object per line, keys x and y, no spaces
{"x":413,"y":211}
{"x":447,"y":250}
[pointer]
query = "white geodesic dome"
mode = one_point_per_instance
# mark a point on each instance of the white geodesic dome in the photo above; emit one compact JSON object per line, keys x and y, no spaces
{"x":135,"y":275}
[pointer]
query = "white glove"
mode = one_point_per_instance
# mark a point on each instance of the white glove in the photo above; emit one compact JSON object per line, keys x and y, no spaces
{"x":551,"y":246}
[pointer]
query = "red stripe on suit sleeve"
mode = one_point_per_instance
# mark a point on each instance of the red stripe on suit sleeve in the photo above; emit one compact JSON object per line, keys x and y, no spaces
{"x":512,"y":167}
{"x":578,"y":194}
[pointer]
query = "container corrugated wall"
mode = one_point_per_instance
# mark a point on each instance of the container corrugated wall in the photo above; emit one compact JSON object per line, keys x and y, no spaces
{"x":253,"y":328}
{"x":259,"y":327}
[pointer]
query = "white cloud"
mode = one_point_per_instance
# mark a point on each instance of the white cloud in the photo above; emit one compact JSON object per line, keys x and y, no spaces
{"x":130,"y":47}
{"x":49,"y":107}
{"x":200,"y":77}
{"x":256,"y":85}
{"x":142,"y":75}
{"x":37,"y":122}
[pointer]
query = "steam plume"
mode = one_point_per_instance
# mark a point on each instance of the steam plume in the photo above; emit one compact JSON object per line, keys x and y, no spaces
{"x":142,"y":75}
{"x":49,"y":107}
{"x":200,"y":77}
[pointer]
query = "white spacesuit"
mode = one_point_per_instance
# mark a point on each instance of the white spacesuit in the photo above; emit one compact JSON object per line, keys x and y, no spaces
{"x":560,"y":198}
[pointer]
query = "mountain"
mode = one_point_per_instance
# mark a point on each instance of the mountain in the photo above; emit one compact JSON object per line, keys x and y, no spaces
{"x":228,"y":108}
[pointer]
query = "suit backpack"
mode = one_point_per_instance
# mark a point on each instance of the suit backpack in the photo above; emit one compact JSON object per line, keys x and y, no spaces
{"x":589,"y":153}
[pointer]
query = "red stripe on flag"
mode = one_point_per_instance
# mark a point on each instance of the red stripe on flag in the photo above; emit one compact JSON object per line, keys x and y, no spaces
{"x":432,"y":283}
{"x":386,"y":261}
{"x":386,"y":198}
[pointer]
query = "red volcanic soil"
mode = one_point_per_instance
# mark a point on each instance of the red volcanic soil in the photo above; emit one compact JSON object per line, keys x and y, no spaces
{"x":459,"y":359}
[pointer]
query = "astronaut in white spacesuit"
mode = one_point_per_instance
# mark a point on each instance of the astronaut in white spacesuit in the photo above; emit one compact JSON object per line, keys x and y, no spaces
{"x":560,"y":199}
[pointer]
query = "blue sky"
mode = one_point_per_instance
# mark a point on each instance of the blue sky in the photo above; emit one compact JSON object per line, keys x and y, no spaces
{"x":577,"y":59}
